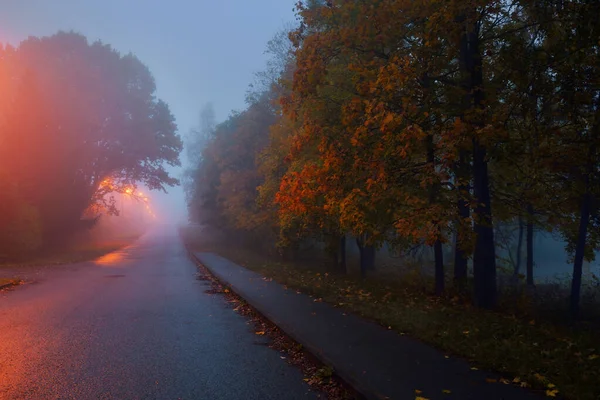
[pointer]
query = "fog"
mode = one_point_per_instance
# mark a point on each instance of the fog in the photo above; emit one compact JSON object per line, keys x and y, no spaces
{"x":198,"y":51}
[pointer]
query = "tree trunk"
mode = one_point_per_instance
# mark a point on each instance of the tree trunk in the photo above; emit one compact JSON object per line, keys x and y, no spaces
{"x":460,"y":256}
{"x":584,"y":220}
{"x":335,"y":253}
{"x":530,"y":281}
{"x":579,"y":254}
{"x":367,"y":257}
{"x":437,"y":246}
{"x":484,"y":257}
{"x":343,"y":267}
{"x":439,"y":267}
{"x":519,"y":249}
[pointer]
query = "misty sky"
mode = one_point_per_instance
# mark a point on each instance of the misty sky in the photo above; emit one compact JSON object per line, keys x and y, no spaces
{"x":198,"y":50}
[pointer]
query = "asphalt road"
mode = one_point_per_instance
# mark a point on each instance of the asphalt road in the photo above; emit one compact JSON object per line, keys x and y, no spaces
{"x":135,"y":324}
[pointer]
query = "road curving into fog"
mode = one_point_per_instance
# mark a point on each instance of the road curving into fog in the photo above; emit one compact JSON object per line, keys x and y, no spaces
{"x":135,"y":324}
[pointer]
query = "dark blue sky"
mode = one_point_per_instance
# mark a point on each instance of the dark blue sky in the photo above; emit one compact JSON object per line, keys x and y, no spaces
{"x":198,"y":50}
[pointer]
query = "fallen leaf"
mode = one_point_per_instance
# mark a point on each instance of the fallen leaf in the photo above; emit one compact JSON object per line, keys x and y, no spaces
{"x":474,"y":369}
{"x":490,"y":380}
{"x":421,"y":398}
{"x":551,"y":392}
{"x":446,"y":391}
{"x":446,"y":356}
{"x":417,"y":391}
{"x":260,"y":333}
{"x":593,"y":357}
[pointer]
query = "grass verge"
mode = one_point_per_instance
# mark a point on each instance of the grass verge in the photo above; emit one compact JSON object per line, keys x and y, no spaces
{"x":562,"y":361}
{"x":6,"y":283}
{"x":72,"y":254}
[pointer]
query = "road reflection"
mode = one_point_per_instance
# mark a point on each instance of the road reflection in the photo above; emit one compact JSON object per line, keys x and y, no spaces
{"x":111,"y":259}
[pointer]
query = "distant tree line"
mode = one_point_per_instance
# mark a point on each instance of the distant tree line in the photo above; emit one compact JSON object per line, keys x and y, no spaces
{"x":78,"y":121}
{"x":419,"y":122}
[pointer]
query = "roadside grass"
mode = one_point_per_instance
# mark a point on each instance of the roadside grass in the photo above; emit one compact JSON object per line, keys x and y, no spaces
{"x":80,"y":252}
{"x":530,"y":352}
{"x":6,"y":282}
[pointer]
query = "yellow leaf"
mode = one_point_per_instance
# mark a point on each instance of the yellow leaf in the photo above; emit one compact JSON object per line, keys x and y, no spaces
{"x":593,"y":357}
{"x":446,"y":391}
{"x":417,"y":391}
{"x":226,"y":291}
{"x":474,"y":369}
{"x":421,"y":398}
{"x":551,"y":392}
{"x":260,"y":333}
{"x":517,"y":380}
{"x":551,"y":386}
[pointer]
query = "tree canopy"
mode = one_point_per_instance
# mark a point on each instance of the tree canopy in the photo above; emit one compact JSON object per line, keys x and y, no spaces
{"x":429,"y":123}
{"x":75,"y":116}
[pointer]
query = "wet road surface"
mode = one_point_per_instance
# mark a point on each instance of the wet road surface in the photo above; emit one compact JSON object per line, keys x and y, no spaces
{"x":135,"y":324}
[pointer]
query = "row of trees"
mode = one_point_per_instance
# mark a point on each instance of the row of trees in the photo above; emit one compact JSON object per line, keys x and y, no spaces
{"x":78,"y":121}
{"x":418,"y":122}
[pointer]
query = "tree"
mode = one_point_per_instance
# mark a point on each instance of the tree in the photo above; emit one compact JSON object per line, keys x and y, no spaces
{"x":577,"y":71}
{"x":21,"y":229}
{"x":195,"y":143}
{"x":80,"y":114}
